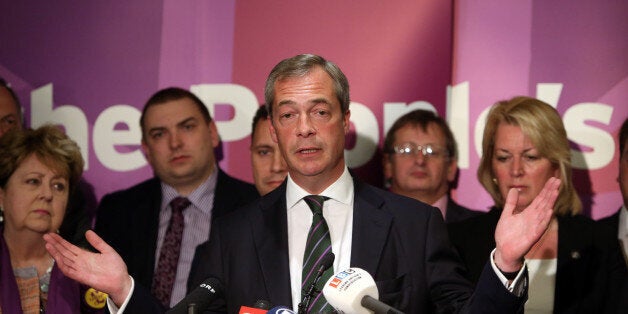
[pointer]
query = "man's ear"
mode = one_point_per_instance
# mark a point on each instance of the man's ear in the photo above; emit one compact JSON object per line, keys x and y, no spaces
{"x":146,"y":151}
{"x":273,"y":132}
{"x":452,"y":169}
{"x":215,"y":137}
{"x":1,"y":198}
{"x":346,"y":123}
{"x":387,"y":165}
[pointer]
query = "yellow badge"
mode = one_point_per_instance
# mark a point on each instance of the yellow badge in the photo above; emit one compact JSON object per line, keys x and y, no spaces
{"x":95,"y":298}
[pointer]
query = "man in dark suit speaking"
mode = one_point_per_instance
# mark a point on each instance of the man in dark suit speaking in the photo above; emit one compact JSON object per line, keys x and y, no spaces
{"x":270,"y":248}
{"x":178,"y":139}
{"x":261,"y":252}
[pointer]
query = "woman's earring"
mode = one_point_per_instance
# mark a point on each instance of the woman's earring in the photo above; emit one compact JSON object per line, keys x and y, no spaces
{"x":495,"y":181}
{"x":1,"y":214}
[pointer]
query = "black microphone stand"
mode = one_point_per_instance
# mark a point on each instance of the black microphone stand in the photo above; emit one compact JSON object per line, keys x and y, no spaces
{"x":305,"y":303}
{"x":328,"y":260}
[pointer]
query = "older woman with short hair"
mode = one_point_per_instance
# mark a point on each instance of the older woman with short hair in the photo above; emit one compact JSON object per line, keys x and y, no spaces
{"x":38,"y":170}
{"x":576,"y":265}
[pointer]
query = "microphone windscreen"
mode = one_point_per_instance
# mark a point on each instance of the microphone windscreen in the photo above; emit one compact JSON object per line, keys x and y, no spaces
{"x":328,"y":260}
{"x":262,"y":304}
{"x":281,"y":310}
{"x":208,"y":291}
{"x":345,"y":290}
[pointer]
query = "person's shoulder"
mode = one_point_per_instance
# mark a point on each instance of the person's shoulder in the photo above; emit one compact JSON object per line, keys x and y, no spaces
{"x":456,"y":212}
{"x":478,"y":222}
{"x":579,"y":221}
{"x":119,"y":202}
{"x":225,"y":178}
{"x":580,"y":226}
{"x":611,"y":221}
{"x":142,"y":189}
{"x":244,"y":189}
{"x":254,"y":208}
{"x":397,"y":205}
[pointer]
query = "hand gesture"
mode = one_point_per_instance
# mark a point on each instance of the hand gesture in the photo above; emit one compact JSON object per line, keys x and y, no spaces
{"x":517,"y":232}
{"x":104,"y":271}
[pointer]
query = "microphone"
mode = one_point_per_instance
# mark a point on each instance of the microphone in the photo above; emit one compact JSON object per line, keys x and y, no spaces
{"x":262,"y":304}
{"x":281,"y":310}
{"x":354,"y":291}
{"x":200,"y":298}
{"x":325,"y":263}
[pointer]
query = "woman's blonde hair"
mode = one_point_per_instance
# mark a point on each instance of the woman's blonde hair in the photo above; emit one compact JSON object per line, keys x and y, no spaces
{"x":542,"y":124}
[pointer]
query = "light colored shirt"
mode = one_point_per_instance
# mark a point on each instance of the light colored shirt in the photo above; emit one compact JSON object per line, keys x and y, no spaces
{"x":338,"y":213}
{"x":197,"y":221}
{"x":542,"y":274}
{"x":622,"y":230}
{"x":441,"y":204}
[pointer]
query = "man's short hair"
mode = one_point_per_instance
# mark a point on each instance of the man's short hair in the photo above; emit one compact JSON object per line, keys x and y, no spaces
{"x":261,"y":113}
{"x":170,"y":94}
{"x":301,"y":65}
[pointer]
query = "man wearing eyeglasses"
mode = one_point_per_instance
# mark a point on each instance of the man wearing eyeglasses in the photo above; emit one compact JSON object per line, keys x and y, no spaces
{"x":10,"y":112}
{"x":420,"y":161}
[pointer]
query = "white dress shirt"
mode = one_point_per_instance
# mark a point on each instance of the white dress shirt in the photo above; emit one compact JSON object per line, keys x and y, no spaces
{"x":338,"y":212}
{"x":622,"y":230}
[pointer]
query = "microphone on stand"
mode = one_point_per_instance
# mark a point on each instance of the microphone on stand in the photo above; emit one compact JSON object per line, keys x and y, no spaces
{"x":354,"y":291}
{"x":200,"y":298}
{"x":325,"y":264}
{"x":262,"y":304}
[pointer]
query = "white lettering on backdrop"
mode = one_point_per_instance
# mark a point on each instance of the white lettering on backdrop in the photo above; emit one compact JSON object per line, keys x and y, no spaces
{"x":598,"y":143}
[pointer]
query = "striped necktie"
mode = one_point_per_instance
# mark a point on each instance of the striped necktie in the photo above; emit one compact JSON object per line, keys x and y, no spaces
{"x":317,"y":245}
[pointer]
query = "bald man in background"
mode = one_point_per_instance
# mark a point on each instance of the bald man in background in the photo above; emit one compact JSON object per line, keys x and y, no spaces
{"x":10,"y":109}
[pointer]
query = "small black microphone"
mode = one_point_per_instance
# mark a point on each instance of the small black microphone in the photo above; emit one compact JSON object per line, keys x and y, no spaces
{"x":200,"y":298}
{"x":262,"y":304}
{"x":325,"y":264}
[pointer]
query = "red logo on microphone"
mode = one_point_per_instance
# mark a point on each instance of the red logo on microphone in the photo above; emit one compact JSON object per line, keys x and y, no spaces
{"x":335,"y":282}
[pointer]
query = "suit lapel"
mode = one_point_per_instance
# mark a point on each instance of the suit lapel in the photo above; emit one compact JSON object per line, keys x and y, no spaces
{"x":147,"y":221}
{"x":573,"y":240}
{"x":223,"y":196}
{"x":270,"y":233}
{"x":371,"y":228}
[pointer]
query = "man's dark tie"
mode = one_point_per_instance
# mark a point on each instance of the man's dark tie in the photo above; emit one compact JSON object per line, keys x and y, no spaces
{"x":163,"y":280}
{"x":317,"y":245}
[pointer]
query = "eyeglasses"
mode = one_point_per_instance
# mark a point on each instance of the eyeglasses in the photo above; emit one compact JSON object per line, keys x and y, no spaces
{"x":411,"y":149}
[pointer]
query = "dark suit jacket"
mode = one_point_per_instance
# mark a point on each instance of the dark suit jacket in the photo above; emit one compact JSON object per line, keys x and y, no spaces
{"x":456,"y":212}
{"x":611,"y":221}
{"x":128,"y":220}
{"x":589,"y":274}
{"x":401,"y":242}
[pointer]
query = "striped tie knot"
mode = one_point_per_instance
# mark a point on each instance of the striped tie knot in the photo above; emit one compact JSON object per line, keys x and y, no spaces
{"x":315,"y":202}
